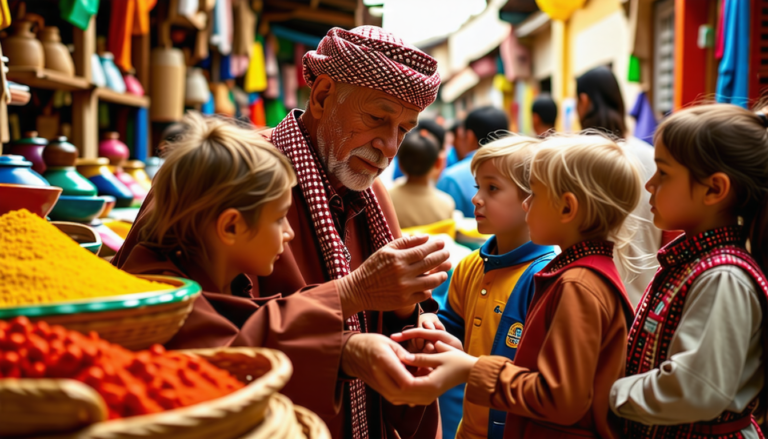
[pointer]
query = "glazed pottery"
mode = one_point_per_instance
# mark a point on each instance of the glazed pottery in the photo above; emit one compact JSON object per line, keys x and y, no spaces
{"x":36,"y":199}
{"x":109,"y":203}
{"x":31,"y":148}
{"x":57,"y":56}
{"x":197,"y":90}
{"x":77,"y":209}
{"x":112,"y":73}
{"x":135,"y":168}
{"x":153,"y":165}
{"x":98,"y":78}
{"x":97,"y":171}
{"x":14,"y":169}
{"x":133,"y":86}
{"x":112,"y":148}
{"x":86,"y":236}
{"x":22,"y":48}
{"x":168,"y":71}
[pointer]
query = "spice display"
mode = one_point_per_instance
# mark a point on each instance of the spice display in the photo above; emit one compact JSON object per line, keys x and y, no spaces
{"x":40,"y":264}
{"x":131,"y":383}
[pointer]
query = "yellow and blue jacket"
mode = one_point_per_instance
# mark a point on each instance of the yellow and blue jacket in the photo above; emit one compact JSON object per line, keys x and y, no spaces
{"x":487,"y":303}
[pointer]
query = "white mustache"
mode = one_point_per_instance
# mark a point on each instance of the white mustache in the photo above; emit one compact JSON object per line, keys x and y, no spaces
{"x":372,"y":155}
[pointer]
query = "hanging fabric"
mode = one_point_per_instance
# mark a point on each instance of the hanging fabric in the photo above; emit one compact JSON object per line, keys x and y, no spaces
{"x":128,"y":18}
{"x":298,"y":54}
{"x":256,"y":76}
{"x":733,"y":73}
{"x":244,"y":28}
{"x":720,"y":37}
{"x":77,"y":12}
{"x":222,"y":26}
{"x":290,"y":86}
{"x":643,"y":113}
{"x":258,"y":118}
{"x":141,"y":141}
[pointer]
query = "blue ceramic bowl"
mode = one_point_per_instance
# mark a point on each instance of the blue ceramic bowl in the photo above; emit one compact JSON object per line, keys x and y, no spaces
{"x":77,"y":208}
{"x":15,"y":169}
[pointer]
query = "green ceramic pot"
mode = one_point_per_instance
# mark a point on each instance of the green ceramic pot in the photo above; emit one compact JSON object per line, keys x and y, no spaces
{"x":67,"y":178}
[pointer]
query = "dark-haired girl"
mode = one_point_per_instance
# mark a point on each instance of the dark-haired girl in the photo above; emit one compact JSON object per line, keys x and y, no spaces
{"x":695,"y":351}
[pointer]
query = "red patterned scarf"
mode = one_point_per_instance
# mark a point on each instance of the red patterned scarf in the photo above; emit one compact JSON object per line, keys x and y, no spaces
{"x":289,"y":138}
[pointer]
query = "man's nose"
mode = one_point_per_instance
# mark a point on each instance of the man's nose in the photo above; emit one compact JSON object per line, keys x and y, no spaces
{"x":388,"y":142}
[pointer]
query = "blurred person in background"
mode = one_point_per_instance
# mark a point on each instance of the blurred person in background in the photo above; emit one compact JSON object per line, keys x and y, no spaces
{"x":432,"y":128}
{"x":543,"y":114}
{"x":458,"y":181}
{"x":416,"y":201}
{"x":600,"y":106}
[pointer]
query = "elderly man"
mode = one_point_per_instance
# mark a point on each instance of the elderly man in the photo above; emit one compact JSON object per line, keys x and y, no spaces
{"x":354,"y":285}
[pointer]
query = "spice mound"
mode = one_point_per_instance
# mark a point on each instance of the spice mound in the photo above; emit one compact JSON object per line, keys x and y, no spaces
{"x":41,"y":264}
{"x":131,"y":383}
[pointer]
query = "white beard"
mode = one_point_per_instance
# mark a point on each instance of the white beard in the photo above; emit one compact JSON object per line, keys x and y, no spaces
{"x":339,"y":167}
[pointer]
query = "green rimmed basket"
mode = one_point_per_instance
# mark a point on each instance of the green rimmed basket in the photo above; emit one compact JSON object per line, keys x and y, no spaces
{"x":134,"y":321}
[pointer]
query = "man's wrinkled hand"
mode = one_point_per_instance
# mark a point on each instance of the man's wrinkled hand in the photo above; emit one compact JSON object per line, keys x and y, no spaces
{"x":398,"y":275}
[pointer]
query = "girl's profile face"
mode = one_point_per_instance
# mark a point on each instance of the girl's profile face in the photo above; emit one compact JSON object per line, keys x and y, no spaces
{"x":542,"y":215}
{"x":498,"y":204}
{"x":675,"y":196}
{"x":259,"y":252}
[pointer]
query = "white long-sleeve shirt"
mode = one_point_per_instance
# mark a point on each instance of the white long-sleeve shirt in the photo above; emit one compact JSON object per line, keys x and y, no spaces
{"x":713,"y":362}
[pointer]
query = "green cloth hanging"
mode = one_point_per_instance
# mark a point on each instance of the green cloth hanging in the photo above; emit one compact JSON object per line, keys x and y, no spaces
{"x":78,"y":12}
{"x":275,"y":111}
{"x":285,"y":50}
{"x":634,"y":69}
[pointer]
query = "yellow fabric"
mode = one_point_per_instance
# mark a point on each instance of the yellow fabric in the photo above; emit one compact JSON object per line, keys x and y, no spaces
{"x":41,"y":264}
{"x":5,"y":14}
{"x":256,"y":75}
{"x":481,"y":321}
{"x":559,"y":9}
{"x":447,"y":227}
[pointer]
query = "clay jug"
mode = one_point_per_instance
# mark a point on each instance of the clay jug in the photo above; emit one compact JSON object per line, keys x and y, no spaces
{"x":57,"y":56}
{"x":31,"y":148}
{"x":167,"y":84}
{"x":22,"y":48}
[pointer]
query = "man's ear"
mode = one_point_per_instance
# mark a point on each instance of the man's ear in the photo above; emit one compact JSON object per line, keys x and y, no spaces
{"x":227,"y":225}
{"x":569,"y":208}
{"x":718,"y":188}
{"x":322,"y":88}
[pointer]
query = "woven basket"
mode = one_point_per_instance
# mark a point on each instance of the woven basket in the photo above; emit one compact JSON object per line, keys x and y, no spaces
{"x":228,"y":417}
{"x":134,"y":321}
{"x":287,"y":421}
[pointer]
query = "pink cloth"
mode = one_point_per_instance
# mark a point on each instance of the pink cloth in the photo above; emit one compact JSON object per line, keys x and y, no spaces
{"x":720,"y":37}
{"x":369,"y":56}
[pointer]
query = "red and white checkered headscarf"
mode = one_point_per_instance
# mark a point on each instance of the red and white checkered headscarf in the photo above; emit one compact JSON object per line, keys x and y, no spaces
{"x":369,"y":56}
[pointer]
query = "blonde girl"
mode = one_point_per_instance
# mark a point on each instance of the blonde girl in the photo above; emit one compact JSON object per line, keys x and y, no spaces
{"x":573,"y":345}
{"x":695,"y":363}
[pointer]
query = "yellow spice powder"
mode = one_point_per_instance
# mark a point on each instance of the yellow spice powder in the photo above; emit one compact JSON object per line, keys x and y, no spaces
{"x":41,"y":264}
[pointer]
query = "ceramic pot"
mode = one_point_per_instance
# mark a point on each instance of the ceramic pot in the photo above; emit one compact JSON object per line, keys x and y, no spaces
{"x":136,"y":169}
{"x":97,"y":171}
{"x":112,"y":73}
{"x":167,"y":85}
{"x":153,"y":165}
{"x":197,"y":90}
{"x":60,"y":157}
{"x":57,"y":56}
{"x":22,"y":48}
{"x":60,"y":152}
{"x":98,"y":78}
{"x":14,"y":169}
{"x":139,"y":193}
{"x":112,"y":148}
{"x":31,"y":148}
{"x":133,"y":86}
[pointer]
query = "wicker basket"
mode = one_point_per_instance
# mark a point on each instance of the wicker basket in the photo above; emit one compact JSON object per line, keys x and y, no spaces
{"x":134,"y":321}
{"x":228,"y":417}
{"x":287,"y":421}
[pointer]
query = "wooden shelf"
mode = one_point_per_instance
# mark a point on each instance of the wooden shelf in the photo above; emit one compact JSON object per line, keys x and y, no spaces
{"x":46,"y":79}
{"x":109,"y":95}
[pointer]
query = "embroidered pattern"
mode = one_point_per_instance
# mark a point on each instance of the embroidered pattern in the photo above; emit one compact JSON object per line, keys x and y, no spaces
{"x":661,"y":309}
{"x":578,"y":251}
{"x":291,"y":140}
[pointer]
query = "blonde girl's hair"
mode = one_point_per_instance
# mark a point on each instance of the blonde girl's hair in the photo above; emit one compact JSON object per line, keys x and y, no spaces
{"x":726,"y":138}
{"x":511,"y":155}
{"x":603,"y":177}
{"x":215,"y":164}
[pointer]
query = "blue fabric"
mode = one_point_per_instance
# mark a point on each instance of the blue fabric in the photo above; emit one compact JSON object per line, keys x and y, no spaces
{"x":733,"y":73}
{"x":459,"y":183}
{"x":225,"y":68}
{"x":646,"y":119}
{"x":451,"y":410}
{"x":141,"y":136}
{"x":208,"y":107}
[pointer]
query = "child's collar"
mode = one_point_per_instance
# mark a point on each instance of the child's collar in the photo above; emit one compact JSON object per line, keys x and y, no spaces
{"x":526,"y":252}
{"x":578,"y":251}
{"x":685,"y":249}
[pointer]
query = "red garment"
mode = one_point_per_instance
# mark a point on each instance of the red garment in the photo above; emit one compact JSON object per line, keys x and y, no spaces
{"x":572,"y":351}
{"x":307,"y":335}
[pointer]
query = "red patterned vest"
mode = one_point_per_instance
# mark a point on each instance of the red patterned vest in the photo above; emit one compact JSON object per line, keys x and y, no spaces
{"x":682,"y":262}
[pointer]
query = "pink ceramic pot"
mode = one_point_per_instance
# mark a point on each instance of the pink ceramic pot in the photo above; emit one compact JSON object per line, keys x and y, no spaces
{"x":112,"y":148}
{"x":139,"y":193}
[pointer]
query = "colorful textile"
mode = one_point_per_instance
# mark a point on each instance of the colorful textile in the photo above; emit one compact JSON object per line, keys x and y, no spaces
{"x":683,"y":262}
{"x":256,"y":76}
{"x":368,"y":56}
{"x":294,"y":142}
{"x":646,"y":119}
{"x":733,"y":73}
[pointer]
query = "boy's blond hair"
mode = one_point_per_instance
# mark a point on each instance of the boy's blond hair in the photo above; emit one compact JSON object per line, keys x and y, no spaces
{"x":511,"y":155}
{"x":603,"y":177}
{"x":216,"y":164}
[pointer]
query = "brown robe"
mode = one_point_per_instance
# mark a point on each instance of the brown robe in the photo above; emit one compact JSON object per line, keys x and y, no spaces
{"x":309,"y":328}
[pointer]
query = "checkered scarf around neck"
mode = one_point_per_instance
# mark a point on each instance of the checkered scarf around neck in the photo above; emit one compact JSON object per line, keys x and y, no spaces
{"x":369,"y":56}
{"x":290,"y":138}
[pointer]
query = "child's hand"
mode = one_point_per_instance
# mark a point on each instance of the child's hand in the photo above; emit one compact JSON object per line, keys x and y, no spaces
{"x":418,"y":345}
{"x":430,"y":320}
{"x":430,"y":336}
{"x":449,"y":367}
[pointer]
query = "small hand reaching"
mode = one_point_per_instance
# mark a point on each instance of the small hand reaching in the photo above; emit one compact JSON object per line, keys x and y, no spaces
{"x":428,"y":321}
